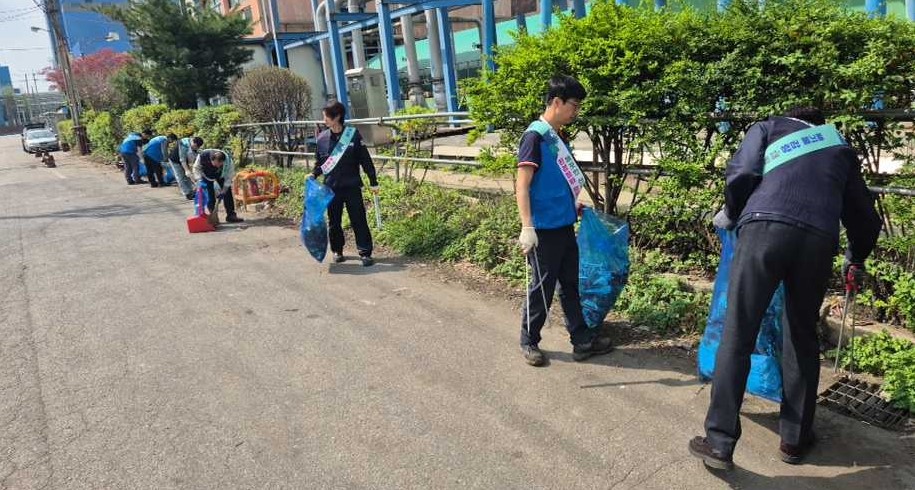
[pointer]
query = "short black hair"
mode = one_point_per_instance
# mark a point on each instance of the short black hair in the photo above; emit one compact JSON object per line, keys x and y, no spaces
{"x":148,"y":131}
{"x":197,"y":141}
{"x":335,"y":109}
{"x":813,"y":115}
{"x":218,"y":155}
{"x":565,"y":87}
{"x":172,"y":137}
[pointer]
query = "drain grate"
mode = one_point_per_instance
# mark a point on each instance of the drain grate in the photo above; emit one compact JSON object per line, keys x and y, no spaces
{"x":861,"y":400}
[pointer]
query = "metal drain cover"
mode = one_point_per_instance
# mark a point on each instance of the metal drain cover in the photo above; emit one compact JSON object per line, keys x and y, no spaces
{"x":862,"y":401}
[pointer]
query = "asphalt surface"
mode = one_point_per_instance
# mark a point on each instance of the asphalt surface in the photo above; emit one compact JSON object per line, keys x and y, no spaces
{"x":136,"y":355}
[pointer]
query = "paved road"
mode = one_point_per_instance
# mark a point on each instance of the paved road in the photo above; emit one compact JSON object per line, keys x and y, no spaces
{"x":135,"y":355}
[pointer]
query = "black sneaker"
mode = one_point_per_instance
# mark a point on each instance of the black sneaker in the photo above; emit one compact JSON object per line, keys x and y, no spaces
{"x":600,"y":345}
{"x":141,"y":181}
{"x":338,"y":258}
{"x":367,"y":261}
{"x":533,"y":355}
{"x":792,"y":454}
{"x":700,"y":448}
{"x":189,"y":196}
{"x":233,"y":219}
{"x":130,"y":182}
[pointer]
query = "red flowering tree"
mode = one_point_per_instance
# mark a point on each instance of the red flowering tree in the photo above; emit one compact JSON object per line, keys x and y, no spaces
{"x":92,"y":75}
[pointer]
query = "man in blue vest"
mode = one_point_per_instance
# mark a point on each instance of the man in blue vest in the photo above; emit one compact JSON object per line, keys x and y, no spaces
{"x":155,"y":154}
{"x":546,"y":191}
{"x":130,"y":151}
{"x":788,"y":187}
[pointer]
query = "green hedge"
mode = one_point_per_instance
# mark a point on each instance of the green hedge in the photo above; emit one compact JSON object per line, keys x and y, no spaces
{"x":180,"y":122}
{"x":104,"y":132}
{"x":65,"y":132}
{"x":143,"y":117}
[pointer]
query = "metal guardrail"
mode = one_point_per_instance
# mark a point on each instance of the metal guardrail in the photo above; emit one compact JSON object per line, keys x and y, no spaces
{"x":371,"y":120}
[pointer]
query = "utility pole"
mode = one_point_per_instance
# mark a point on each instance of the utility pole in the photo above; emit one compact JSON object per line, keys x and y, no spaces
{"x":27,"y":98}
{"x":63,"y":53}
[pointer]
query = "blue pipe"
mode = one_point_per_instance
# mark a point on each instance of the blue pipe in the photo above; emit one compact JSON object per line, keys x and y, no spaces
{"x":579,"y":7}
{"x":336,"y":57}
{"x":489,"y":33}
{"x":447,"y":44}
{"x":546,"y":13}
{"x":875,"y":8}
{"x":388,"y":60}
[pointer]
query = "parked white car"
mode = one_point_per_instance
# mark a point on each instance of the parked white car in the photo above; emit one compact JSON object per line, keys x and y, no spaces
{"x":41,"y":140}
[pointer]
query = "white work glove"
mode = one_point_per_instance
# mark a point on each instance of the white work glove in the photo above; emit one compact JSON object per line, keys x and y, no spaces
{"x":217,"y":189}
{"x":527,"y":239}
{"x":721,"y":220}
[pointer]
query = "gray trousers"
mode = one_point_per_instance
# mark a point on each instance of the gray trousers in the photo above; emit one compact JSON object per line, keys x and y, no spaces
{"x":770,"y":252}
{"x":184,"y":183}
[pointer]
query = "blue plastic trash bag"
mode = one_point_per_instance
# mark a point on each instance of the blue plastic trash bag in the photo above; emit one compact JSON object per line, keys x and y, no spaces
{"x":603,"y":264}
{"x":169,"y":174}
{"x":314,"y":227}
{"x":765,"y":379}
{"x":142,"y":171}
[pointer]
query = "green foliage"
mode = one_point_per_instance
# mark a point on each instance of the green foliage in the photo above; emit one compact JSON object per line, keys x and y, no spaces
{"x":185,"y":53}
{"x":492,"y":242}
{"x":290,"y":202}
{"x":887,"y":356}
{"x":214,"y":124}
{"x":497,"y":162}
{"x":104,"y":132}
{"x":65,"y":132}
{"x":664,"y":304}
{"x":128,"y":83}
{"x":890,"y":291}
{"x":143,"y":117}
{"x":179,"y":121}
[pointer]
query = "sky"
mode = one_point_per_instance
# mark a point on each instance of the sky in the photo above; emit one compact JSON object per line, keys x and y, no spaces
{"x":24,"y":51}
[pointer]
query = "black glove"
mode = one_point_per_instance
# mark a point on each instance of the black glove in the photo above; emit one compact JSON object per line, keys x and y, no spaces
{"x":853,"y":274}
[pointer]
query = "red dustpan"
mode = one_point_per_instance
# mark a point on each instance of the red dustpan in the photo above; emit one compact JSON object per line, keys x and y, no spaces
{"x":200,"y":222}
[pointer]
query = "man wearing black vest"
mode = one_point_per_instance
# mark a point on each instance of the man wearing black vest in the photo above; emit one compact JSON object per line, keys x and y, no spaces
{"x":788,"y":186}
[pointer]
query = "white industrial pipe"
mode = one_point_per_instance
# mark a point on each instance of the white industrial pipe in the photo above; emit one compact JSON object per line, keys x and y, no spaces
{"x":435,"y":53}
{"x":358,"y":43}
{"x":416,"y":90}
{"x":322,"y":20}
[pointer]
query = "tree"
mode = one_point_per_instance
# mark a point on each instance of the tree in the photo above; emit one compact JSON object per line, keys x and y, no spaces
{"x":127,"y":82}
{"x":269,"y":94}
{"x":93,"y":76}
{"x":184,"y":53}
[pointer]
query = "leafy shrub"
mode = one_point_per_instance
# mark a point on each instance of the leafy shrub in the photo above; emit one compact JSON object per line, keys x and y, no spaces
{"x":887,"y":356}
{"x":104,"y":132}
{"x":664,"y":304}
{"x":65,"y":132}
{"x":142,"y":118}
{"x":214,"y":124}
{"x":180,"y":122}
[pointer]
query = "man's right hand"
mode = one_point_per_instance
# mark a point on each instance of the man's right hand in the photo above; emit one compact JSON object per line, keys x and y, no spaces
{"x":527,"y":239}
{"x":853,"y":273}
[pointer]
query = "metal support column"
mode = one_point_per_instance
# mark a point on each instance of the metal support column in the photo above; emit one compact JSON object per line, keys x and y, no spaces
{"x":875,"y":8}
{"x":546,"y":13}
{"x":274,"y":21}
{"x":489,"y":33}
{"x":388,"y":60}
{"x":562,"y":5}
{"x":579,"y":7}
{"x":336,"y":57}
{"x":447,"y":43}
{"x":521,"y":21}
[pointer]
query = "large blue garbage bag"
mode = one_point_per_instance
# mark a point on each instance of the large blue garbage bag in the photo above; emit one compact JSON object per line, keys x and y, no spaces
{"x":603,"y":264}
{"x":142,"y":169}
{"x":314,"y":227}
{"x":169,"y":173}
{"x":765,"y":379}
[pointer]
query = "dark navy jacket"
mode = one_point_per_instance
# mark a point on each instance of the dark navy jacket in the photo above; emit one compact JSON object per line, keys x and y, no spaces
{"x":815,"y":191}
{"x":346,"y":173}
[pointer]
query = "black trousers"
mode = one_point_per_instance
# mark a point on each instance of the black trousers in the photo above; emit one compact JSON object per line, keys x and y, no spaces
{"x":153,"y":172}
{"x":227,"y":201}
{"x":557,"y":256}
{"x":351,"y":198}
{"x":768,"y":253}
